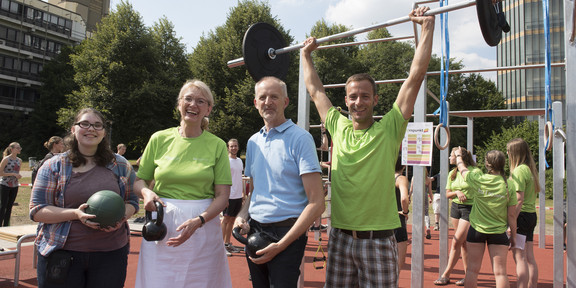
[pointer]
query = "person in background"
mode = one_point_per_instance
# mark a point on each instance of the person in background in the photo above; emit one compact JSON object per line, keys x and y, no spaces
{"x":435,"y":182}
{"x":402,"y":201}
{"x":191,"y":174}
{"x":364,"y":213}
{"x":236,"y":197}
{"x":98,"y":255}
{"x":524,"y":173}
{"x":121,"y":149}
{"x":10,"y":172}
{"x":55,"y":145}
{"x":461,"y":193}
{"x":494,"y":211}
{"x":287,"y":194}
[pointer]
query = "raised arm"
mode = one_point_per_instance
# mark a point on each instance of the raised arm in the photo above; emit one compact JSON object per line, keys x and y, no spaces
{"x":313,"y":83}
{"x":409,"y":90}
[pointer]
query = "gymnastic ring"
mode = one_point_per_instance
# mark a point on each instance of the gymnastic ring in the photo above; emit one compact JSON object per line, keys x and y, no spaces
{"x":437,"y":132}
{"x":548,"y":135}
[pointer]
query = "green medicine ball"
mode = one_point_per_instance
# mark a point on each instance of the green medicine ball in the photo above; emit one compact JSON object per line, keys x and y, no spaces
{"x":108,"y":207}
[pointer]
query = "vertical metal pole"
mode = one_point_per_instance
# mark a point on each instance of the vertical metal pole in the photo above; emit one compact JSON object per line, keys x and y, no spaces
{"x":542,"y":174}
{"x":470,"y":134}
{"x":570,"y":50}
{"x":417,"y":267}
{"x":303,"y":101}
{"x":558,"y":157}
{"x":444,"y":168}
{"x":304,"y":123}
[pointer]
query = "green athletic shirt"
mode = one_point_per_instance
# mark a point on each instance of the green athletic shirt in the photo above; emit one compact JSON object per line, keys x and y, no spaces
{"x":185,"y":168}
{"x":460,"y":184}
{"x":363,"y":162}
{"x":491,"y":201}
{"x":525,"y":183}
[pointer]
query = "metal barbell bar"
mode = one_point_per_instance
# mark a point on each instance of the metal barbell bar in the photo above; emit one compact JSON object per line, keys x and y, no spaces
{"x":273,"y":52}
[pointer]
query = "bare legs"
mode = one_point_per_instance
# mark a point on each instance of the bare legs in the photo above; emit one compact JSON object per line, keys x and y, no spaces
{"x":401,"y":246}
{"x":497,"y":257}
{"x":458,"y":246}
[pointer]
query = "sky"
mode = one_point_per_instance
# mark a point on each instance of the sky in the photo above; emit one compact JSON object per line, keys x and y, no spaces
{"x":192,"y":20}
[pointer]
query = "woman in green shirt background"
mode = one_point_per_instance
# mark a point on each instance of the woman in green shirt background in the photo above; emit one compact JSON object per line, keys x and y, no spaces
{"x":493,"y":212}
{"x":525,"y":176}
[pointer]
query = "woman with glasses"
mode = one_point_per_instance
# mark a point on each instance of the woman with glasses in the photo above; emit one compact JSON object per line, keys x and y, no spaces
{"x":73,"y":250}
{"x":10,"y":172}
{"x":191,"y":174}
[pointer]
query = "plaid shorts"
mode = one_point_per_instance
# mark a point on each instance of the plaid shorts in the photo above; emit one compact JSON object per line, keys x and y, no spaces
{"x":365,"y":263}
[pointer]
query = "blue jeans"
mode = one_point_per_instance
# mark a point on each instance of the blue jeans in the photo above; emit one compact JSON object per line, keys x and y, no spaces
{"x":91,"y":269}
{"x":284,"y":269}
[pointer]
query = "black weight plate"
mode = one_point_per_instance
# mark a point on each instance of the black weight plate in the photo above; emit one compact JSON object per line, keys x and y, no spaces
{"x":488,"y":20}
{"x":258,"y":39}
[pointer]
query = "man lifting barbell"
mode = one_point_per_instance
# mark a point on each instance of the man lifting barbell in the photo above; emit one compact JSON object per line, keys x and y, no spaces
{"x":364,"y":216}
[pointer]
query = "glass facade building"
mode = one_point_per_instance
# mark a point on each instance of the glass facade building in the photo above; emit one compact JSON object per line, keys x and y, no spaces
{"x":525,"y":45}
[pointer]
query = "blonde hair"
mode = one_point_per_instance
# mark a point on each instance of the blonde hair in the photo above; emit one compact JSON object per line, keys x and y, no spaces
{"x":8,"y":149}
{"x":519,"y":153}
{"x":205,"y":91}
{"x":53,"y":140}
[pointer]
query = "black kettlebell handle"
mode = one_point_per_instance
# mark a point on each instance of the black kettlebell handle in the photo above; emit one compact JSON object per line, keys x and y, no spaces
{"x":159,"y":214}
{"x":236,"y":233}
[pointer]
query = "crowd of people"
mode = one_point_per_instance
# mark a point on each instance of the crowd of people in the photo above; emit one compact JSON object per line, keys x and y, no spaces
{"x":197,"y":177}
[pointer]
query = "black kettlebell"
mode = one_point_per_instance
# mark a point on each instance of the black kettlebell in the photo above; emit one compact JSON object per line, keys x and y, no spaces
{"x":254,"y":242}
{"x":154,"y":229}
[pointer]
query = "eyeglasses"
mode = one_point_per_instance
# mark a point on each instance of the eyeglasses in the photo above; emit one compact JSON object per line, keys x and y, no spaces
{"x":86,"y":125}
{"x":198,"y":101}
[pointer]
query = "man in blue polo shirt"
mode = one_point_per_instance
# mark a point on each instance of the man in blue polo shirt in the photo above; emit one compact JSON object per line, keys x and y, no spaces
{"x":287,"y":194}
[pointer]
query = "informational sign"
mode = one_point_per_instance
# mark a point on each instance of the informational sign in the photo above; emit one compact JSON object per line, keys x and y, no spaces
{"x":417,"y":144}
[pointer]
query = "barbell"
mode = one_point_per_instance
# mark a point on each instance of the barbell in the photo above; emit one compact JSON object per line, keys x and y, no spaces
{"x":264,"y":53}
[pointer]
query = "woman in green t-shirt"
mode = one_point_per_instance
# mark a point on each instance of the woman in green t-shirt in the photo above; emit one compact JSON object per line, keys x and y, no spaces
{"x":460,"y":192}
{"x":493,"y":212}
{"x":525,"y":176}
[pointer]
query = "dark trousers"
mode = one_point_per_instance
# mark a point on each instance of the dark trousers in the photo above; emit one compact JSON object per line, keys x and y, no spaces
{"x":90,"y":269}
{"x":7,"y":198}
{"x":284,"y":269}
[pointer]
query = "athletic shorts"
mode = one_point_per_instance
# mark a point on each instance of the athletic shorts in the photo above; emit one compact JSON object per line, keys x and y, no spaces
{"x":526,"y":224}
{"x":490,"y":239}
{"x":460,"y":211}
{"x":401,"y":233}
{"x":234,"y":206}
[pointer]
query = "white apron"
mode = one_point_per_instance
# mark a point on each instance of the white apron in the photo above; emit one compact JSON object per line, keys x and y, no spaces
{"x":199,"y":262}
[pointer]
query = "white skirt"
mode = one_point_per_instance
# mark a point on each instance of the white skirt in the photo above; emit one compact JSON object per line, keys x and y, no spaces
{"x":199,"y":262}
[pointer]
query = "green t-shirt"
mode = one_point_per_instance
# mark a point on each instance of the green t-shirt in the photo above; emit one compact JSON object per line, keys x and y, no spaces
{"x":363,"y":162}
{"x":460,"y":184}
{"x":185,"y":168}
{"x":522,"y":176}
{"x":491,"y":201}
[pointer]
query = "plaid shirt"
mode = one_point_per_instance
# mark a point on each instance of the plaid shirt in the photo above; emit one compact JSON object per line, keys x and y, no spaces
{"x":51,"y":182}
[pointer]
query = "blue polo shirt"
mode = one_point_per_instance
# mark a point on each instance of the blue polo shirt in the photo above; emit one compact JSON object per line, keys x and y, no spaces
{"x":276,"y":160}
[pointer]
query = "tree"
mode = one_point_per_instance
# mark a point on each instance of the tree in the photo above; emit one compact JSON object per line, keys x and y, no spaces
{"x":234,"y":115}
{"x":130,"y":73}
{"x":57,"y":77}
